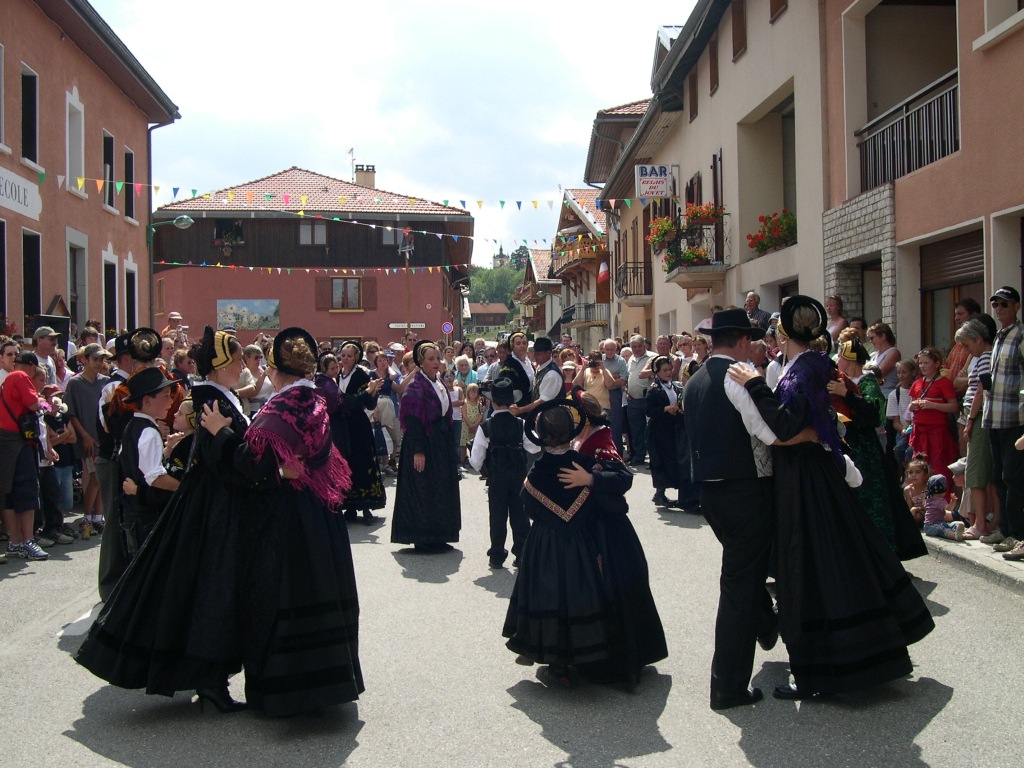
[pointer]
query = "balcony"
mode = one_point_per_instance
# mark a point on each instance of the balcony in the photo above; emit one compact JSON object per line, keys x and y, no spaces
{"x":584,"y":315}
{"x":922,"y":129}
{"x":634,"y":284}
{"x":577,"y":253}
{"x":711,"y":239}
{"x":711,"y":276}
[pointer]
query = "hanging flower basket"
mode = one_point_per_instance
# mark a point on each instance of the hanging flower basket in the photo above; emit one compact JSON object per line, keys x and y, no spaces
{"x":660,"y":231}
{"x":706,"y":214}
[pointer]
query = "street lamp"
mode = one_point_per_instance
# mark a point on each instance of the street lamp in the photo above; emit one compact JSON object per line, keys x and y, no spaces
{"x":181,"y":222}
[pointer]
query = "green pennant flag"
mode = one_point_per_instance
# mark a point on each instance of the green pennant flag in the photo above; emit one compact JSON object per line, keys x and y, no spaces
{"x":118,"y":185}
{"x":267,"y":196}
{"x":194,"y":191}
{"x":445,"y":202}
{"x":628,"y":202}
{"x":42,"y":177}
{"x":502,"y":204}
{"x":289,"y":270}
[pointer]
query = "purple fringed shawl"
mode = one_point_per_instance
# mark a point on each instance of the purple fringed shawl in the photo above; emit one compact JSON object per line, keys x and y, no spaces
{"x":294,"y":425}
{"x":420,"y":400}
{"x":809,"y":375}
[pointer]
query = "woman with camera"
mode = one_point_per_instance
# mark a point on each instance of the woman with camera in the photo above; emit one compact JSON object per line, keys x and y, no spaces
{"x":595,"y":379}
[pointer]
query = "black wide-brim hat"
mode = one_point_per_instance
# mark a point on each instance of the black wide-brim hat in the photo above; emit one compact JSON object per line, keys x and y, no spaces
{"x":147,"y":381}
{"x":789,"y":308}
{"x":503,"y":392}
{"x":533,"y":419}
{"x":276,"y":356}
{"x":733,"y":320}
{"x":543,"y":344}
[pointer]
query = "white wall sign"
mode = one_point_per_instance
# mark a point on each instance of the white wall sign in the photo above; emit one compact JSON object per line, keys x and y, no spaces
{"x":19,"y":195}
{"x":653,"y":180}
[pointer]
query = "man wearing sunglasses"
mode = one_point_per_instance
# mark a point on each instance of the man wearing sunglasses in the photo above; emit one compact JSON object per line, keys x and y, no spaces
{"x":1002,"y":417}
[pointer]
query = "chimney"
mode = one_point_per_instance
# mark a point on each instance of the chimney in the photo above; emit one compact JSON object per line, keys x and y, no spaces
{"x":366,"y":176}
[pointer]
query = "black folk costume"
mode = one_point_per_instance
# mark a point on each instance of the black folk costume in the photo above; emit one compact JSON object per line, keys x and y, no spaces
{"x":428,"y":509}
{"x":667,"y":443}
{"x":298,"y":605}
{"x":847,"y":609}
{"x":170,"y":623}
{"x":347,"y":403}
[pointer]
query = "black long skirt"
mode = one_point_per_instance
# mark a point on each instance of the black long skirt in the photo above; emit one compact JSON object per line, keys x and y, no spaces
{"x":428,"y":509}
{"x":847,"y":609}
{"x":299,"y":606}
{"x":170,"y":623}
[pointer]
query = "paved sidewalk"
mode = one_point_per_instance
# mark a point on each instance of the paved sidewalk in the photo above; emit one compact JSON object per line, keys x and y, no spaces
{"x":980,"y":559}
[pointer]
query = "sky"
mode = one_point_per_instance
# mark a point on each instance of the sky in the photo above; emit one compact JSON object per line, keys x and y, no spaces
{"x":451,"y":100}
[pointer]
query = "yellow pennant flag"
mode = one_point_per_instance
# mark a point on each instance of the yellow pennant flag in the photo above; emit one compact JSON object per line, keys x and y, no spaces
{"x":479,"y":203}
{"x":156,"y":190}
{"x":535,"y":203}
{"x":303,"y":198}
{"x":302,"y":213}
{"x":341,"y":200}
{"x":81,"y":183}
{"x":231,"y":195}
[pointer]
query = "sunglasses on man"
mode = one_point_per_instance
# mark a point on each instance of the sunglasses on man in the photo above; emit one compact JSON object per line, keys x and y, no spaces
{"x":1001,"y":304}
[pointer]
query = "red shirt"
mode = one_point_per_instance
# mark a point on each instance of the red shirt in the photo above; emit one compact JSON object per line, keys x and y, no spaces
{"x":20,"y":395}
{"x":938,"y":391}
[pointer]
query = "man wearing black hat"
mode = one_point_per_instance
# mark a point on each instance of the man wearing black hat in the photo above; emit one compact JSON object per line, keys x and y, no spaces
{"x":501,"y":445}
{"x":1002,"y":417}
{"x":730,"y":457}
{"x":547,"y":380}
{"x":141,"y":456}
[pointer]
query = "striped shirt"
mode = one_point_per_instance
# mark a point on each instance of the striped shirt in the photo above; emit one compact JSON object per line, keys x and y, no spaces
{"x":981,"y":366}
{"x":1003,"y":405}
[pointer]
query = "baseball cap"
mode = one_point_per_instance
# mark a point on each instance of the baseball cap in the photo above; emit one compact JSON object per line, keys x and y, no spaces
{"x":43,"y":331}
{"x":95,"y":350}
{"x":1007,"y":293}
{"x":174,"y":315}
{"x":26,"y":358}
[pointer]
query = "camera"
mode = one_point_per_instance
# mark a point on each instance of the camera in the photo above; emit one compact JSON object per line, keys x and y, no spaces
{"x":183,"y":328}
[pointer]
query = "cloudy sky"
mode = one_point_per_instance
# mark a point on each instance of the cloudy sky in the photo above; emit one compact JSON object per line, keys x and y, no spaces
{"x":452,"y":99}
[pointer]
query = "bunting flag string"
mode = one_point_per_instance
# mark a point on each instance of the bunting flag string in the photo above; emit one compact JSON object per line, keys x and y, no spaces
{"x":321,"y":270}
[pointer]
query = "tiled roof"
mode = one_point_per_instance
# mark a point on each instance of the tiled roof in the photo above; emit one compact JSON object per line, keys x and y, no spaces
{"x":322,"y":193}
{"x":638,"y":108}
{"x":587,"y":200}
{"x":541,"y":260}
{"x":492,"y":308}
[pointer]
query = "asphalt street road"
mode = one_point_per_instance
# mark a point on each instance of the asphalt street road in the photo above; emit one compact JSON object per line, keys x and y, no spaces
{"x":442,"y":689}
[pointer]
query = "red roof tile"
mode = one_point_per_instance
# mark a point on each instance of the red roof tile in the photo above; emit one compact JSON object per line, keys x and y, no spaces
{"x":633,"y":108}
{"x":541,"y":260}
{"x":587,"y":200}
{"x":493,"y":308}
{"x":323,"y":193}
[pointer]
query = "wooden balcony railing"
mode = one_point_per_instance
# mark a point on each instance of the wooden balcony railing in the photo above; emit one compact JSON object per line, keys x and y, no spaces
{"x":570,"y":253}
{"x":922,"y":129}
{"x":590,"y":314}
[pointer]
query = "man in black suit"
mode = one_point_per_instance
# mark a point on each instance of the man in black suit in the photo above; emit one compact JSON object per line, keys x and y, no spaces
{"x":731,"y":458}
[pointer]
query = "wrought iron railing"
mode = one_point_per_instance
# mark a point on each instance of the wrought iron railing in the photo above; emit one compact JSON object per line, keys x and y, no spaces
{"x":634,"y":278}
{"x":919,"y":131}
{"x":590,"y":313}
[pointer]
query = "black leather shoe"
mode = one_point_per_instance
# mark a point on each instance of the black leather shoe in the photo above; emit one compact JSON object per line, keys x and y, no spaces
{"x":662,"y":500}
{"x":718,"y":703}
{"x":220,"y":698}
{"x":768,"y":640}
{"x":789,"y":692}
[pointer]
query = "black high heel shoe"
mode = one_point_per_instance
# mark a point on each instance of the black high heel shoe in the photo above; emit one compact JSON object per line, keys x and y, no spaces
{"x":368,"y":517}
{"x":220,"y":698}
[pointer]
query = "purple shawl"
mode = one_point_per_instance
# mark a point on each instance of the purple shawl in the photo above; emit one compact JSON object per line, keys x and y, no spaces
{"x":294,"y":425}
{"x":420,"y":400}
{"x":809,"y":376}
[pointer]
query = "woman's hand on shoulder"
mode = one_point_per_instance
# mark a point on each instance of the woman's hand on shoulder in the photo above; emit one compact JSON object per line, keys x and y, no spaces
{"x":213,"y":421}
{"x":741,"y":373}
{"x":577,"y":477}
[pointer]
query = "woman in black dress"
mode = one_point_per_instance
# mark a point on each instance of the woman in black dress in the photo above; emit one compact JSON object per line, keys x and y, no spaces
{"x":428,"y":510}
{"x":847,"y":609}
{"x":357,"y":394}
{"x":666,"y":439}
{"x":170,"y":623}
{"x":298,"y":606}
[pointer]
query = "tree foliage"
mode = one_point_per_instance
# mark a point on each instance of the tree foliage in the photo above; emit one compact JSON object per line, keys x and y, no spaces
{"x":494,"y":285}
{"x":519,"y":257}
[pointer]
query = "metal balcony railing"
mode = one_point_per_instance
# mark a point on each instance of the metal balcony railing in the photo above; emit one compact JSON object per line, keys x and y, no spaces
{"x":922,"y":129}
{"x":634,"y":278}
{"x":589,"y":313}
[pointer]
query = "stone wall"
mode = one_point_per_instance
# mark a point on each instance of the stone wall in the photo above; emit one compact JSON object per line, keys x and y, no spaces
{"x":860,"y":230}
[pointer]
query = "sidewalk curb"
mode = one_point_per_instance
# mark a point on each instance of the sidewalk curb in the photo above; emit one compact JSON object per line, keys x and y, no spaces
{"x":984,"y":563}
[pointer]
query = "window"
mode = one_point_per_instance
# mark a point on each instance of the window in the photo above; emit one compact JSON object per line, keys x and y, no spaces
{"x":108,"y":170}
{"x":130,"y":297}
{"x":158,"y":297}
{"x":228,"y":232}
{"x":110,"y":296}
{"x":29,"y":115}
{"x":32,"y":276}
{"x":75,"y":138}
{"x":2,"y":99}
{"x":312,"y":232}
{"x":713,"y":62}
{"x":692,"y":81}
{"x":345,"y":293}
{"x":739,"y":28}
{"x":129,"y":184}
{"x":775,"y":9}
{"x":391,"y":235}
{"x":76,"y":281}
{"x":3,"y":272}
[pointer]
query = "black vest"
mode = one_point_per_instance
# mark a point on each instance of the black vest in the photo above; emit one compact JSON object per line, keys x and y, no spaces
{"x":148,"y":498}
{"x":108,"y":439}
{"x":719,"y":443}
{"x":506,"y":455}
{"x":549,"y":370}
